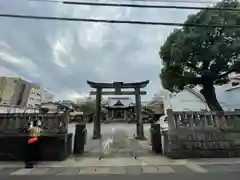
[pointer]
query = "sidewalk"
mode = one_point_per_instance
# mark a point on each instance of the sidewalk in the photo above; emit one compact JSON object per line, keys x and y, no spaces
{"x":141,"y":165}
{"x":94,"y":161}
{"x":125,"y":161}
{"x":212,"y":161}
{"x":102,"y":170}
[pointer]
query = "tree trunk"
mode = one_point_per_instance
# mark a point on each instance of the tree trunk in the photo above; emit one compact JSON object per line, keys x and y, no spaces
{"x":209,"y":94}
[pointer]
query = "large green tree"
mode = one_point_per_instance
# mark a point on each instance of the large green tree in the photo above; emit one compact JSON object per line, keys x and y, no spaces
{"x":203,"y":56}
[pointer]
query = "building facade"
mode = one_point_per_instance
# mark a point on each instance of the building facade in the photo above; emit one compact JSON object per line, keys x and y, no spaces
{"x":8,"y":109}
{"x":14,"y":91}
{"x":190,"y":99}
{"x":56,"y":107}
{"x":46,"y":96}
{"x":186,"y":100}
{"x":119,"y":109}
{"x":34,"y":98}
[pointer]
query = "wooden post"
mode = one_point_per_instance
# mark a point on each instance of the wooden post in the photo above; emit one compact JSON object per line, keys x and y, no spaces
{"x":97,"y":120}
{"x":139,"y":124}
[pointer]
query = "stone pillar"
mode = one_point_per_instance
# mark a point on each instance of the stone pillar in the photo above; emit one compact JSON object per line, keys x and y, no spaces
{"x":113,"y":111}
{"x":65,"y":120}
{"x":125,"y":114}
{"x":139,"y":124}
{"x":171,"y":124}
{"x":97,"y":120}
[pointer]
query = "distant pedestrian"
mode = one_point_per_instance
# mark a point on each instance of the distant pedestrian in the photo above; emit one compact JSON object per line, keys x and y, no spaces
{"x":32,"y":155}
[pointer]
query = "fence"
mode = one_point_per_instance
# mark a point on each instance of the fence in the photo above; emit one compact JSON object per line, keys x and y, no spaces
{"x":51,"y":123}
{"x":202,"y":134}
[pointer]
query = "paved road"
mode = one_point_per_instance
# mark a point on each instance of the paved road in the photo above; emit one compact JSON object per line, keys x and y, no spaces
{"x":209,"y":176}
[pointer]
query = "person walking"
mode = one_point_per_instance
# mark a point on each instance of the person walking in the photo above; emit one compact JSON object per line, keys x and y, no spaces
{"x":34,"y":132}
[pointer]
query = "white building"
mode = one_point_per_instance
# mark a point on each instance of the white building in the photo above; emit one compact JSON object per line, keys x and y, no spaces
{"x":8,"y":109}
{"x":186,"y":100}
{"x":56,"y":107}
{"x":190,"y":99}
{"x":47,"y":96}
{"x":34,"y":99}
{"x":39,"y":95}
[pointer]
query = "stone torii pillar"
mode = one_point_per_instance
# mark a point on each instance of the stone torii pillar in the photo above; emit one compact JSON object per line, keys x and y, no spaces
{"x":139,"y":123}
{"x":97,"y":120}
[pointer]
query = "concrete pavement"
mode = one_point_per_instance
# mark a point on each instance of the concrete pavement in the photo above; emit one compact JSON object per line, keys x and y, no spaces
{"x":121,"y":166}
{"x":92,"y":146}
{"x":163,"y":176}
{"x":98,"y":170}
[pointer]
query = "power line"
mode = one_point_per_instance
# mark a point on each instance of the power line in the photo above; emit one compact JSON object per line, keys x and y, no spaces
{"x":172,"y":1}
{"x":146,"y":6}
{"x":150,"y":6}
{"x":156,"y":1}
{"x":116,"y":21}
{"x":47,"y":1}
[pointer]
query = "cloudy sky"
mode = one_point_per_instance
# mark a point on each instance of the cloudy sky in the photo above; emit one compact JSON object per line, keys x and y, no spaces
{"x":63,"y":55}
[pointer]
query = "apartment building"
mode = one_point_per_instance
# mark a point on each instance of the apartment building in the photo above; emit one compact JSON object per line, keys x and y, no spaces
{"x":14,"y":91}
{"x":34,"y":98}
{"x":46,"y":96}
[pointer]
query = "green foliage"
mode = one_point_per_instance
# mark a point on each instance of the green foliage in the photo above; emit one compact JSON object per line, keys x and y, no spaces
{"x":88,"y":107}
{"x":189,"y":52}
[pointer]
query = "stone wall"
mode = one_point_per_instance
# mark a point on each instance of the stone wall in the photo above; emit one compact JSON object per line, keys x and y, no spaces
{"x":52,"y":148}
{"x":51,"y":123}
{"x":55,"y":141}
{"x":202,"y":134}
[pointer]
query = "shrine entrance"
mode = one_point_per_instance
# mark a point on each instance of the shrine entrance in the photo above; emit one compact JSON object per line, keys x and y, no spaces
{"x":115,"y":138}
{"x":118,"y":86}
{"x":118,"y":113}
{"x":119,"y":109}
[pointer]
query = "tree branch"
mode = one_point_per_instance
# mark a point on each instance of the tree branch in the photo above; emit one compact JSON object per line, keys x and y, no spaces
{"x":193,"y":67}
{"x":225,"y":74}
{"x":205,"y":65}
{"x":193,"y":80}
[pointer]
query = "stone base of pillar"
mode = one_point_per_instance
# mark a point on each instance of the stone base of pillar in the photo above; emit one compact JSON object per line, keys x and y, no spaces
{"x":141,"y":138}
{"x":95,"y":137}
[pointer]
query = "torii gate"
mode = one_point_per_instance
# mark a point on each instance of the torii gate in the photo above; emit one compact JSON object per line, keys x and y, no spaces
{"x":118,"y":86}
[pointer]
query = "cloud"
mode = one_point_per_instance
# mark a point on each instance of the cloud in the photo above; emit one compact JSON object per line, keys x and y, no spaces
{"x":64,"y":55}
